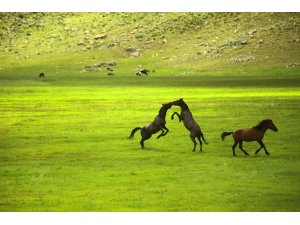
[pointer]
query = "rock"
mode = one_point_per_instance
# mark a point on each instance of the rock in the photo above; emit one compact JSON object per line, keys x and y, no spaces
{"x":251,"y":32}
{"x":131,"y":49}
{"x":135,"y":54}
{"x":105,"y":64}
{"x":242,"y":58}
{"x":291,"y":65}
{"x":260,"y":41}
{"x":80,"y":42}
{"x":100,"y":36}
{"x":244,"y":43}
{"x":164,"y":41}
{"x":234,"y":42}
{"x":148,"y":42}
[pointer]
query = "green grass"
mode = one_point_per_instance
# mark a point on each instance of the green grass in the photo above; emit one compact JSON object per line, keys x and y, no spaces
{"x":63,"y":139}
{"x":64,"y":146}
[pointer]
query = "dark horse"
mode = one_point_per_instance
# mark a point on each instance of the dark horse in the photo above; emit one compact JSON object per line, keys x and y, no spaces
{"x":41,"y":75}
{"x":141,"y":72}
{"x":255,"y":133}
{"x":158,"y":124}
{"x":189,"y":122}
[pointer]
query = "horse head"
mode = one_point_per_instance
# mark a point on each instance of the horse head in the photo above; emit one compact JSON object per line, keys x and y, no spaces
{"x":178,"y":102}
{"x":166,"y":105}
{"x":271,"y":125}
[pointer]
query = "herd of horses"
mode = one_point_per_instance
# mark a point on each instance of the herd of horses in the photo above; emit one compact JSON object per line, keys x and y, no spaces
{"x":255,"y":133}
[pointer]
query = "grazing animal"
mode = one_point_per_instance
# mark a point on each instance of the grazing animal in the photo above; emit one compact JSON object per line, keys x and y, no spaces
{"x":143,"y":72}
{"x":42,"y":75}
{"x":255,"y":133}
{"x":158,"y":124}
{"x":189,"y":122}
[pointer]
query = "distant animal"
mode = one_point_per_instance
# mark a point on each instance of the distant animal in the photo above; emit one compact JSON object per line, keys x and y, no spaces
{"x":189,"y":122}
{"x":41,"y":75}
{"x":255,"y":133}
{"x":110,"y":74}
{"x":109,"y":69}
{"x":142,"y":72}
{"x":158,"y":124}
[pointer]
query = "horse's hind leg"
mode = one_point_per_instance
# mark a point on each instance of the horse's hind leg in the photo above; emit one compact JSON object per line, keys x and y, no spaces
{"x":144,"y":138}
{"x":262,"y":145}
{"x":233,"y":148}
{"x":194,"y":141}
{"x":241,"y":147}
{"x":198,"y":137}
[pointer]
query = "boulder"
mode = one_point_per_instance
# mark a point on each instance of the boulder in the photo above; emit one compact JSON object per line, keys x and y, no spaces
{"x":100,"y":36}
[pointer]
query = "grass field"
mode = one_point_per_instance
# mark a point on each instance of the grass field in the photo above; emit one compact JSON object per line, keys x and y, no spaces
{"x":64,"y":146}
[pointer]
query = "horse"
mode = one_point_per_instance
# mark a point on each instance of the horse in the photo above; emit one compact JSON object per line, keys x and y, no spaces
{"x":141,"y":72}
{"x":158,"y":124}
{"x":255,"y":133}
{"x":41,"y":75}
{"x":189,"y":123}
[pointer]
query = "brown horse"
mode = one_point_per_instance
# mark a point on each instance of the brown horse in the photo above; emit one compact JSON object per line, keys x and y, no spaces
{"x":255,"y":133}
{"x":158,"y":124}
{"x":189,"y":122}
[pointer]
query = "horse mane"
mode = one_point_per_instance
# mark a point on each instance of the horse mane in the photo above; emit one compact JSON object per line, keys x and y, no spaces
{"x":163,"y":110}
{"x":261,"y":124}
{"x":183,"y":105}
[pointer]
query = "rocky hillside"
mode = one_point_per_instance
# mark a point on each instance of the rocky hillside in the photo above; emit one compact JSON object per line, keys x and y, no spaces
{"x":165,"y":42}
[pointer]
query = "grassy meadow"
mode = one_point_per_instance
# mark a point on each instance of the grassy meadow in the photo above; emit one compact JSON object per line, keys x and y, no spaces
{"x":64,"y":144}
{"x":63,"y":138}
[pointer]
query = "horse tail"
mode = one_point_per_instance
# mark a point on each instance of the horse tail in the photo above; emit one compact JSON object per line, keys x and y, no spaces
{"x":133,"y":132}
{"x":224,"y":134}
{"x":202,"y":136}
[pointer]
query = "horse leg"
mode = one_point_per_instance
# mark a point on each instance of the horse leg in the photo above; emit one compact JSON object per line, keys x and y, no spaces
{"x":161,"y":134}
{"x":167,"y":130}
{"x":198,"y":137}
{"x":263,"y":146}
{"x":258,"y":149}
{"x":194,"y":141}
{"x":233,"y":148}
{"x":145,"y":137}
{"x":176,"y":113}
{"x":241,"y":147}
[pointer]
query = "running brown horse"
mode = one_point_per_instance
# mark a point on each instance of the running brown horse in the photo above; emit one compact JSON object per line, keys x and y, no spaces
{"x":189,"y":122}
{"x":255,"y":133}
{"x":158,"y":124}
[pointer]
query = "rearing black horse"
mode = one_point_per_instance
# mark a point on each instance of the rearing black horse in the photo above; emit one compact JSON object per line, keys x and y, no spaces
{"x":189,"y":122}
{"x":158,"y":124}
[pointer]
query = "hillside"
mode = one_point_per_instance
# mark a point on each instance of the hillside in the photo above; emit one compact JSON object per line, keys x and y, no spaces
{"x":167,"y":43}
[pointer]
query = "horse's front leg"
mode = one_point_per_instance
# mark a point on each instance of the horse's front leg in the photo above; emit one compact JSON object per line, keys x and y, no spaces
{"x":161,"y":134}
{"x":167,"y":130}
{"x":262,"y":145}
{"x":176,"y":113}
